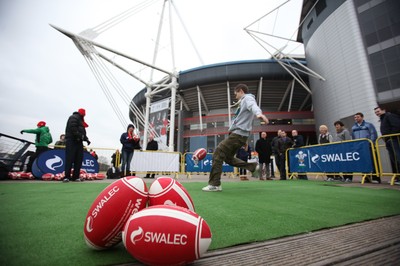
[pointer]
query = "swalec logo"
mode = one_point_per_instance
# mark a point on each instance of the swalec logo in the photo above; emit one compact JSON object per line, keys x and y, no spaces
{"x":315,"y":158}
{"x":54,"y":163}
{"x":136,"y":235}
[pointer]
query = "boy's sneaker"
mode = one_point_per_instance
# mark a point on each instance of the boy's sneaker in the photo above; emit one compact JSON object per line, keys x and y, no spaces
{"x":211,"y":188}
{"x":65,"y":180}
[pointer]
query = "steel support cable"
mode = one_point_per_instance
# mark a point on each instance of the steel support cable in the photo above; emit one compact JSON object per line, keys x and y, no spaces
{"x":157,"y":42}
{"x":295,"y":69}
{"x":103,"y":86}
{"x":113,"y":82}
{"x":309,"y":71}
{"x":276,"y":19}
{"x":122,"y":93}
{"x":171,"y":35}
{"x":256,"y":38}
{"x":106,"y":25}
{"x":109,"y":97}
{"x":257,"y":20}
{"x":105,"y":71}
{"x":188,"y":35}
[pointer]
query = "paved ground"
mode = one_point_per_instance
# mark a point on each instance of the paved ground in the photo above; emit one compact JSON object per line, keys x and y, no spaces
{"x":375,"y":242}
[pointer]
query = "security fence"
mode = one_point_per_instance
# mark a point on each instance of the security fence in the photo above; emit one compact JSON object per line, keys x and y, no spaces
{"x":388,"y":151}
{"x":359,"y":157}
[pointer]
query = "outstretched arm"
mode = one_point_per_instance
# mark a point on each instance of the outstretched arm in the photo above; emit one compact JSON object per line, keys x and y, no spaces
{"x":263,"y":118}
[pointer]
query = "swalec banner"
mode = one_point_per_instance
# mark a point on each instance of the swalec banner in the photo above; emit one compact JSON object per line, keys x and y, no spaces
{"x":346,"y":157}
{"x":53,"y":162}
{"x":203,"y":165}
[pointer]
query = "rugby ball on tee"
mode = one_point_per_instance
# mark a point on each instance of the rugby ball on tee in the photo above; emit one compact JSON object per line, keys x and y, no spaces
{"x":111,"y":209}
{"x":199,"y":154}
{"x":166,"y":235}
{"x":167,"y":191}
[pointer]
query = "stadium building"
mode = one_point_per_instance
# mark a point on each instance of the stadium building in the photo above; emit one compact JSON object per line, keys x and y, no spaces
{"x":205,"y":94}
{"x":354,"y":45}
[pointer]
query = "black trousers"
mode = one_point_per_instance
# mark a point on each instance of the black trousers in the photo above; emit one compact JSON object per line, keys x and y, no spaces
{"x":73,"y":158}
{"x":32,"y":158}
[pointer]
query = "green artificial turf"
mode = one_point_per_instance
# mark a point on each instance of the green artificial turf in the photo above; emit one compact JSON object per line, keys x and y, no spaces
{"x":42,"y":223}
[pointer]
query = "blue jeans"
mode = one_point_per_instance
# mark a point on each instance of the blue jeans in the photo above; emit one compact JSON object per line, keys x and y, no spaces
{"x":126,"y":159}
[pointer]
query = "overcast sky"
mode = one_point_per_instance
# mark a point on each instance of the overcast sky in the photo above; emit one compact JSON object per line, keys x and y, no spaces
{"x":43,"y":76}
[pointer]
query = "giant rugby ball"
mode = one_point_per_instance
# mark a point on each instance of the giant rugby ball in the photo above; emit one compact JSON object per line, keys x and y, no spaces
{"x":199,"y":154}
{"x":167,"y":191}
{"x":166,"y":235}
{"x":111,"y":209}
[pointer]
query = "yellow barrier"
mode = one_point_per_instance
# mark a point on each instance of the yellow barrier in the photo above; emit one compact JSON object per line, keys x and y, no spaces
{"x":384,"y":158}
{"x":364,"y":176}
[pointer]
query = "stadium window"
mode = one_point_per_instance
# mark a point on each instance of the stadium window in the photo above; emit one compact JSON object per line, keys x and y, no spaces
{"x":382,"y":84}
{"x":319,"y":7}
{"x":309,"y":24}
{"x":395,"y":80}
{"x":376,"y":58}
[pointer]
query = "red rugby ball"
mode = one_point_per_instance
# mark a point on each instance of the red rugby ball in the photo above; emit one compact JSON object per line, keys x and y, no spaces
{"x":199,"y":154}
{"x":166,"y":235}
{"x":167,"y":191}
{"x":111,"y":209}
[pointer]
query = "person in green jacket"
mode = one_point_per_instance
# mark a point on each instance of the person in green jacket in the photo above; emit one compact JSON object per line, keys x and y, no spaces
{"x":42,"y":140}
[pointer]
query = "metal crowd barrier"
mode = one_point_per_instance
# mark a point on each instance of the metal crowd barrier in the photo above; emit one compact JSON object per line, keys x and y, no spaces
{"x":386,"y":166}
{"x":353,"y":157}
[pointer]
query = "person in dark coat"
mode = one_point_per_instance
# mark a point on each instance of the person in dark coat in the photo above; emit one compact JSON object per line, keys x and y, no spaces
{"x":274,"y":145}
{"x":152,"y":145}
{"x":244,"y":153}
{"x":129,"y":142}
{"x":60,"y":144}
{"x":75,"y":134}
{"x":264,"y":150}
{"x":298,"y":141}
{"x":390,"y":124}
{"x":284,"y":143}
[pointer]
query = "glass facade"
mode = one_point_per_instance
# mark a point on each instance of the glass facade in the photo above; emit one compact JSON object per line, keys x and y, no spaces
{"x":380,"y":27}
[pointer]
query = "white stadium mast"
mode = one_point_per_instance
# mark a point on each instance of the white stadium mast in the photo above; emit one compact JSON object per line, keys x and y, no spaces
{"x":85,"y":43}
